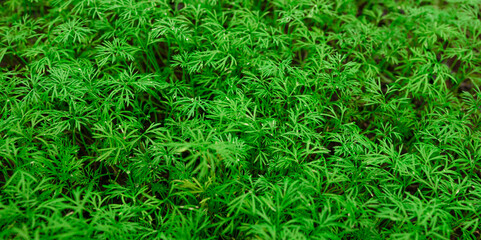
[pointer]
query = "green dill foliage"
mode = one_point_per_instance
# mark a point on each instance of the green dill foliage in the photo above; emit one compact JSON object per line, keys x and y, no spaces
{"x":242,"y":119}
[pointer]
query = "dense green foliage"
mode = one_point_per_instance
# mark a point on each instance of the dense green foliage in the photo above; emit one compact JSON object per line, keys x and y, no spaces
{"x":240,"y":119}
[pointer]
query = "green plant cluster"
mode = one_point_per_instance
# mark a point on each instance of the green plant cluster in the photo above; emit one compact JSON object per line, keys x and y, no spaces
{"x":240,"y":119}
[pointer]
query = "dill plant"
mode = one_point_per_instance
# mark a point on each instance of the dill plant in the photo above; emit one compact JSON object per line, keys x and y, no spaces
{"x":278,"y":119}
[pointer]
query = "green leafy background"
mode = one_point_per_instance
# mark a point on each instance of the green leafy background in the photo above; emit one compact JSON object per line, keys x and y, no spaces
{"x":241,"y":119}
